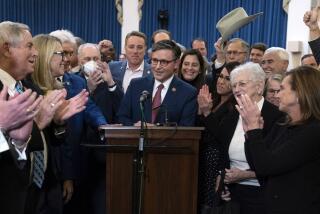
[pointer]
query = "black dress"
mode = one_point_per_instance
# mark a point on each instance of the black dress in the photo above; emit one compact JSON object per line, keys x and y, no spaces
{"x":209,"y":158}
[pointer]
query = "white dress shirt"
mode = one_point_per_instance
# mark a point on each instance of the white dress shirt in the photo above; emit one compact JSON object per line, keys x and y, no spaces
{"x":131,"y":74}
{"x":236,"y":150}
{"x":164,"y":91}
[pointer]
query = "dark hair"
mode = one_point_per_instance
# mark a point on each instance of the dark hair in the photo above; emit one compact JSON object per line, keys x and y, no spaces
{"x":306,"y":56}
{"x":168,"y":45}
{"x":138,"y":34}
{"x":199,"y":80}
{"x":305,"y":82}
{"x":199,"y":39}
{"x":260,"y":46}
{"x":160,"y":31}
{"x":229,"y":67}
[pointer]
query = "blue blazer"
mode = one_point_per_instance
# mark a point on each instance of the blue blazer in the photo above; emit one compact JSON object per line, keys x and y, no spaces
{"x":179,"y":104}
{"x":76,"y":126}
{"x":118,"y":70}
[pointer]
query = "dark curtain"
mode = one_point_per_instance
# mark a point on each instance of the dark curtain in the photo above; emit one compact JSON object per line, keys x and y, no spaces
{"x":92,"y":20}
{"x":189,"y":19}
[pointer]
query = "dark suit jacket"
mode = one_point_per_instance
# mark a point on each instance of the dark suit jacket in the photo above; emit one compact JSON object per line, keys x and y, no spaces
{"x":180,"y":103}
{"x":76,"y":126}
{"x":290,"y":159}
{"x":315,"y":47}
{"x":223,"y":129}
{"x":15,"y":175}
{"x":118,"y":70}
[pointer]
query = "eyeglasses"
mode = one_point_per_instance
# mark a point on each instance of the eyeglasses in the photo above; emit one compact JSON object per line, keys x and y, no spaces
{"x":68,"y":53}
{"x":241,"y":84}
{"x":60,"y":53}
{"x":227,"y":78}
{"x":235,"y":53}
{"x":163,"y":62}
{"x":273,"y":91}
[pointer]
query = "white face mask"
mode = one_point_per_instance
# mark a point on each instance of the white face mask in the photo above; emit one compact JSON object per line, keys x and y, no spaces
{"x":89,"y":67}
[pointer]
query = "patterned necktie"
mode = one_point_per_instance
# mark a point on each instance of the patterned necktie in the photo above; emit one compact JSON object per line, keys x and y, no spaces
{"x":156,"y":102}
{"x":19,"y":88}
{"x":38,"y":168}
{"x":38,"y":156}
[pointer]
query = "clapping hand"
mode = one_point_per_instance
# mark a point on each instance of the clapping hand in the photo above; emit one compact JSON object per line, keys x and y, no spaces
{"x":71,"y":107}
{"x":249,"y":112}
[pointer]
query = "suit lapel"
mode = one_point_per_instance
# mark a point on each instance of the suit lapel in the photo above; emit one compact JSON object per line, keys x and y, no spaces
{"x":146,"y":69}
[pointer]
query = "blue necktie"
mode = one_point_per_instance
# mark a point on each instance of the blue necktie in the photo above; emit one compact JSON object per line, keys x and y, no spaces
{"x":19,"y":87}
{"x":38,"y":156}
{"x":38,"y":168}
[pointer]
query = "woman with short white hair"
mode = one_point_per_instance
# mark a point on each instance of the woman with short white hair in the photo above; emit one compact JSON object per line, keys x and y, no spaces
{"x":247,"y":79}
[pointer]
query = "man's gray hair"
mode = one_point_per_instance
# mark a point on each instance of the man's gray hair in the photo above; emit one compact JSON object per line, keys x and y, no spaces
{"x":253,"y":69}
{"x":281,"y":52}
{"x":12,"y":32}
{"x":64,"y":36}
{"x":87,"y":45}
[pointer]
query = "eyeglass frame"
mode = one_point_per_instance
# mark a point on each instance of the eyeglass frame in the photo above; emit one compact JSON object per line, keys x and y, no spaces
{"x":236,"y":53}
{"x":163,"y":62}
{"x":60,"y":53}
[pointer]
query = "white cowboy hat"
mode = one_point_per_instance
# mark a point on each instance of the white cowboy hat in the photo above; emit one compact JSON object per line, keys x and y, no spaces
{"x":233,"y":21}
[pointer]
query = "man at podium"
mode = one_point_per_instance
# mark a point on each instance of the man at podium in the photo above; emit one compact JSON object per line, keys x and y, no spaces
{"x":162,"y":98}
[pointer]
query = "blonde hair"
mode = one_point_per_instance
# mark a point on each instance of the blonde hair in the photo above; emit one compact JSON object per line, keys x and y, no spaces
{"x":42,"y":76}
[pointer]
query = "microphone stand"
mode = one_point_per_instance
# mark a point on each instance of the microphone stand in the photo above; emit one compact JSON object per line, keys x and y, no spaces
{"x":138,"y":167}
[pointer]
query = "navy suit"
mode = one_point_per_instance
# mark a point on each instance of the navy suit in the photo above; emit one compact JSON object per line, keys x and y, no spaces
{"x":76,"y":124}
{"x":179,"y":104}
{"x":76,"y":160}
{"x":118,"y":70}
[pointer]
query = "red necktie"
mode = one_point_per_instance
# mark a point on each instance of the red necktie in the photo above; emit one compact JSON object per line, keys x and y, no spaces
{"x":156,"y":102}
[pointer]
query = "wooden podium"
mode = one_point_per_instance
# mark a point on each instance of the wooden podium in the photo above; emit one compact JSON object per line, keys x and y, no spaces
{"x":171,"y":169}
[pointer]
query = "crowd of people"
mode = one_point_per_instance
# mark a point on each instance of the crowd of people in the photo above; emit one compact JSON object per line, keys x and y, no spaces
{"x":261,"y":120}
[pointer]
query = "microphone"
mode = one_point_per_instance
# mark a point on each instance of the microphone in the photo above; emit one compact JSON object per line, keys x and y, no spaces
{"x":163,"y":109}
{"x":144,"y":96}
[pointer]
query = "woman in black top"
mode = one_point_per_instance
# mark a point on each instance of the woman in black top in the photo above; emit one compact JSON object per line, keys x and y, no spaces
{"x":289,"y":157}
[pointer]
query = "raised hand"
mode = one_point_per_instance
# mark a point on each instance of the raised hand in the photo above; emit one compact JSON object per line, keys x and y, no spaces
{"x":310,"y":18}
{"x":249,"y":112}
{"x":94,"y":79}
{"x":205,"y":102}
{"x":106,"y":73}
{"x":219,"y":51}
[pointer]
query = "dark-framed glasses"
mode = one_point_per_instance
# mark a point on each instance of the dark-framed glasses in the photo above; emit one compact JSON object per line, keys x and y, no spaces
{"x":162,"y":62}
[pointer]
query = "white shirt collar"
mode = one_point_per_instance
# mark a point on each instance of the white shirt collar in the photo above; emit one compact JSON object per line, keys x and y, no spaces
{"x":166,"y":83}
{"x":260,"y":103}
{"x":8,"y":81}
{"x":140,"y":68}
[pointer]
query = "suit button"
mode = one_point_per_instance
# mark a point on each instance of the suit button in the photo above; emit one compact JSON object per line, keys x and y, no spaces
{"x":275,"y":196}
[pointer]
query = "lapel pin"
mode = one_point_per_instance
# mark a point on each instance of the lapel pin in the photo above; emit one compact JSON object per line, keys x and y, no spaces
{"x":174,"y":89}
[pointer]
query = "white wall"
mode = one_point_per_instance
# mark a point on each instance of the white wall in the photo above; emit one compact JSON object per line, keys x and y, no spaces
{"x":130,"y":19}
{"x":297,"y":32}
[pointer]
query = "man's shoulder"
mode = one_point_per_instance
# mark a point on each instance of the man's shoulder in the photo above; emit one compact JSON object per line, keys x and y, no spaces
{"x":186,"y":86}
{"x":116,"y":64}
